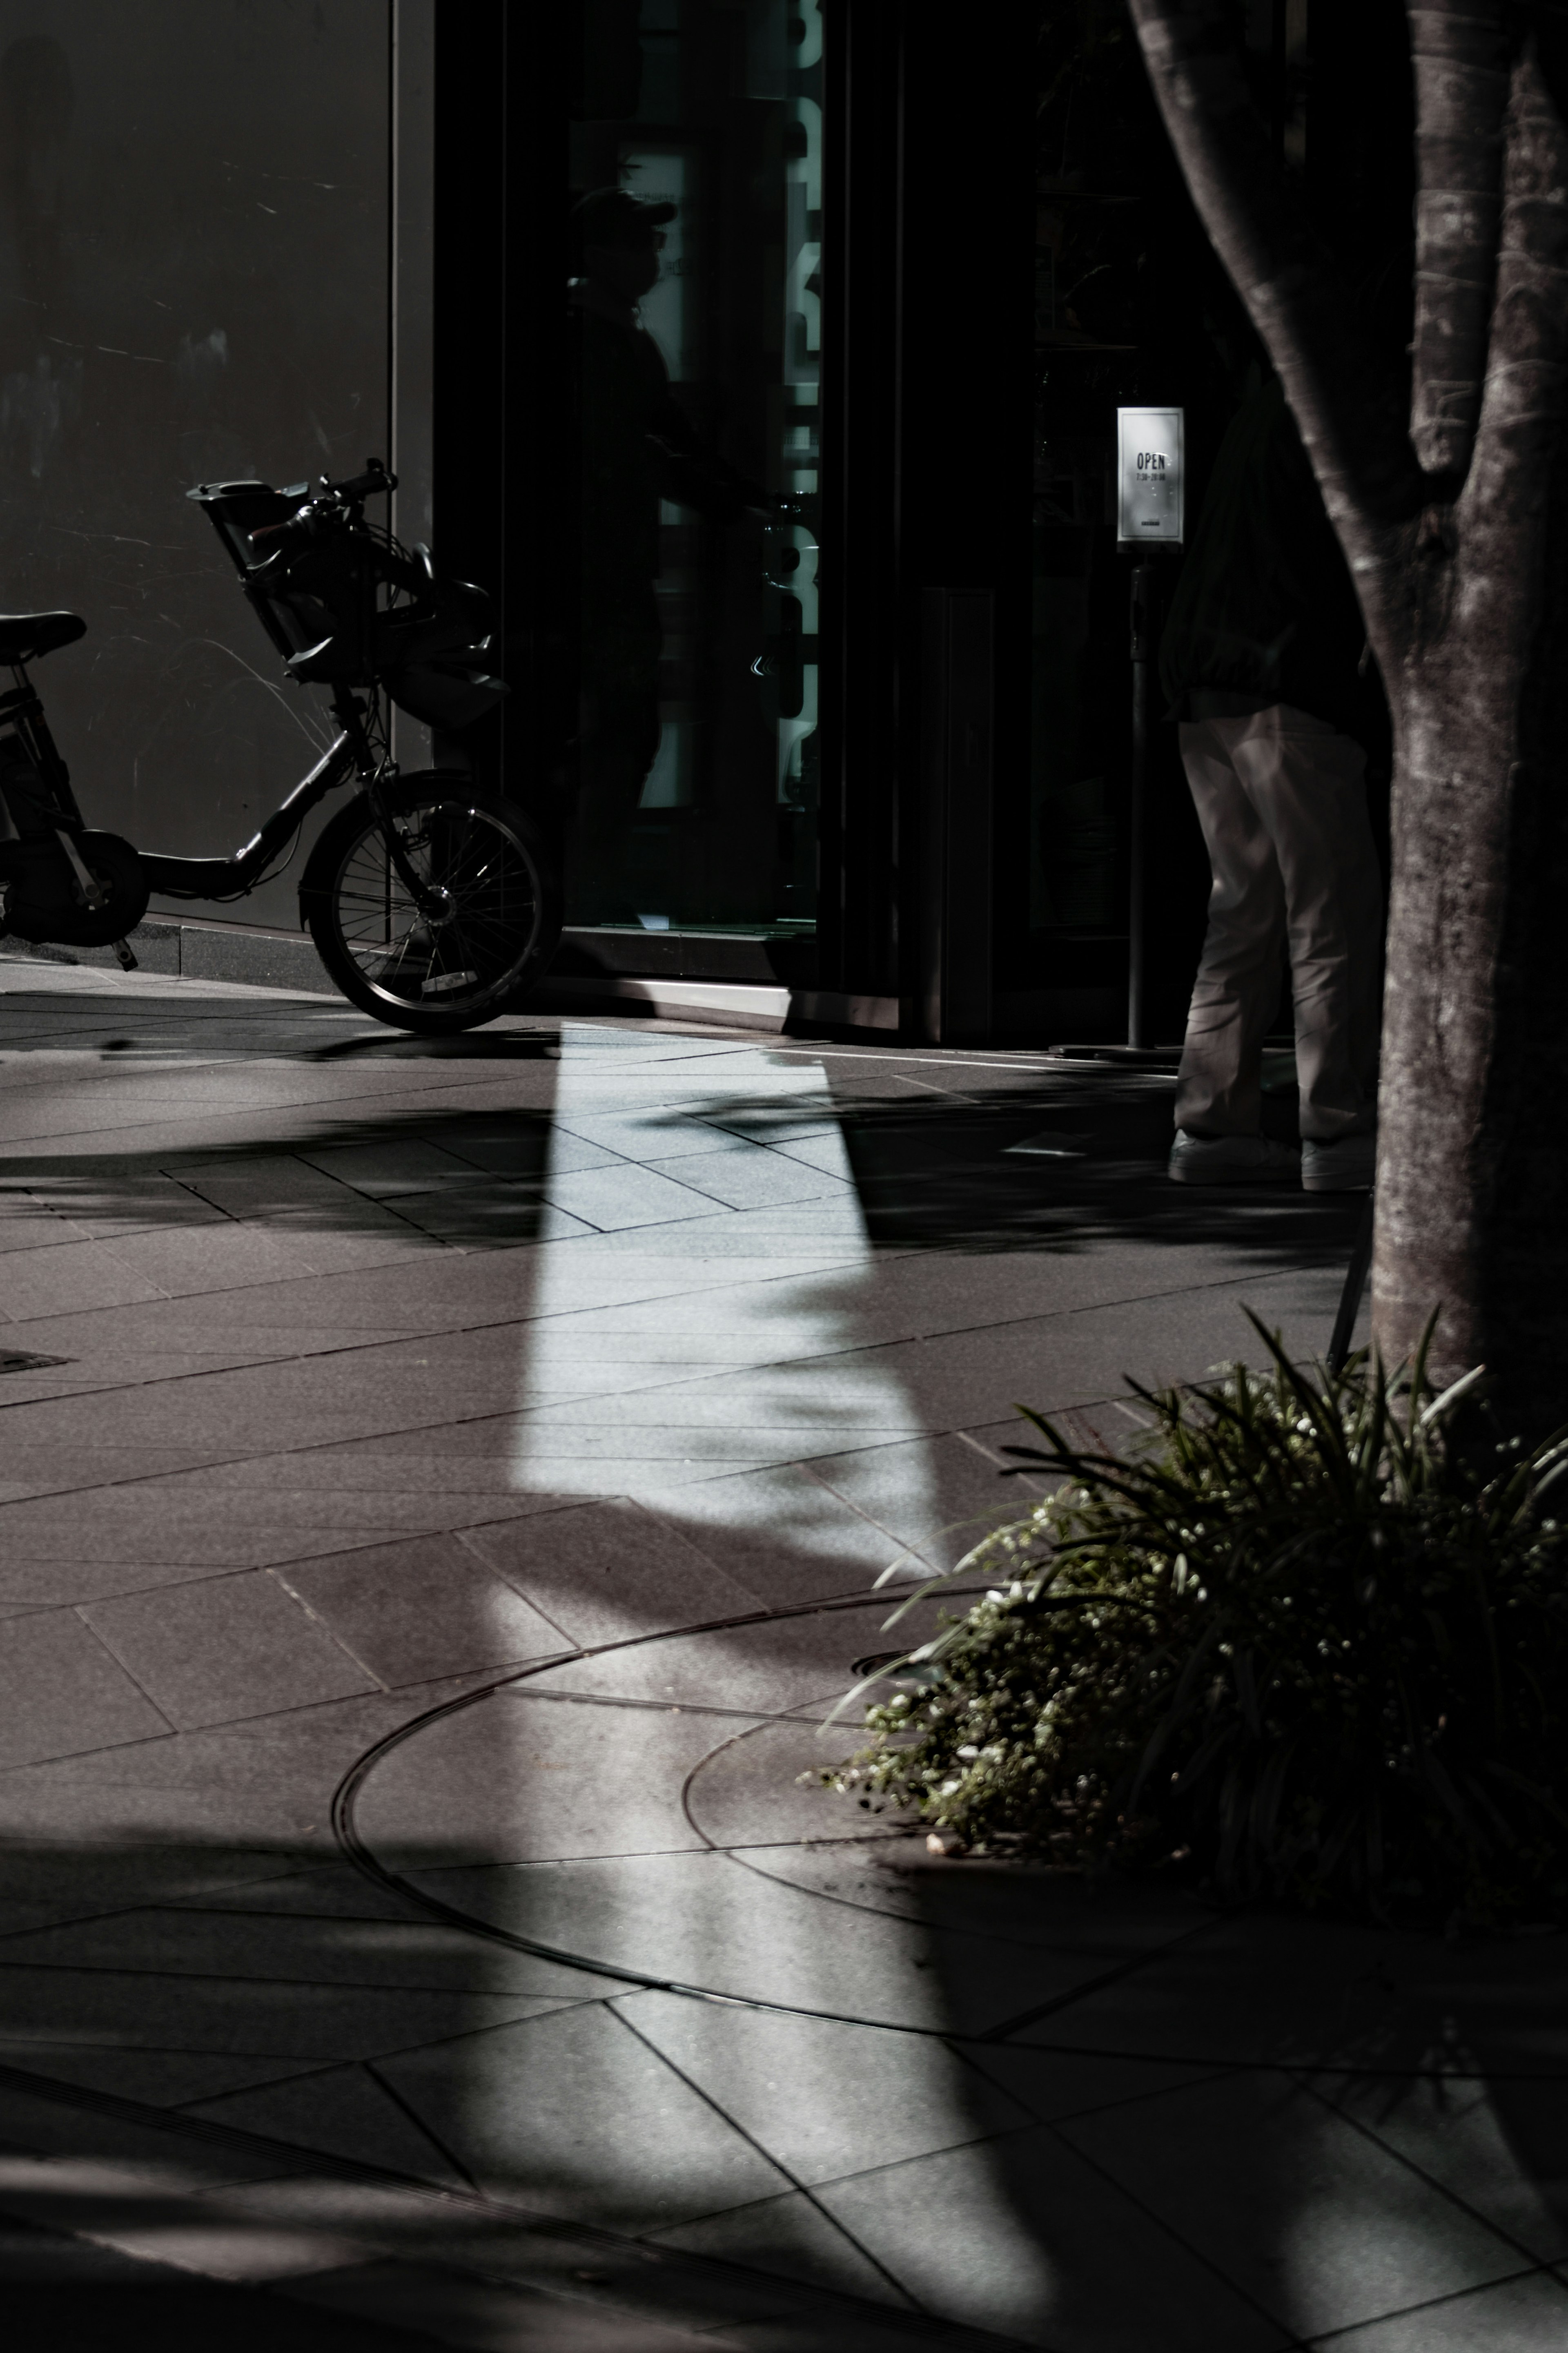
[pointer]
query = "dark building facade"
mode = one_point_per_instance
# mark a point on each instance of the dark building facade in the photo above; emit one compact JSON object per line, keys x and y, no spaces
{"x":804,"y":545}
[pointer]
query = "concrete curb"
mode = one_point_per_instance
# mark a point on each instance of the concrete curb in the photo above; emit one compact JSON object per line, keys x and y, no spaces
{"x":247,"y":953}
{"x":231,"y":952}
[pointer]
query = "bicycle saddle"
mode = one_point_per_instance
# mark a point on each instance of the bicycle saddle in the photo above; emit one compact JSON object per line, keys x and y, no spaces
{"x":25,"y":636}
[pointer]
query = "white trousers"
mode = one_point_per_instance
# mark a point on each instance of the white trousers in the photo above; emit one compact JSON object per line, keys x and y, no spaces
{"x":1282,"y":799}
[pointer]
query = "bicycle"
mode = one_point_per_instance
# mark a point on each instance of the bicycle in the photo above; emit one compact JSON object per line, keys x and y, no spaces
{"x":433,"y":905}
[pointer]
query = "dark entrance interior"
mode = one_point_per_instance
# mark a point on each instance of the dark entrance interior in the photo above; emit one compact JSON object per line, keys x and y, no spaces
{"x":916,"y":264}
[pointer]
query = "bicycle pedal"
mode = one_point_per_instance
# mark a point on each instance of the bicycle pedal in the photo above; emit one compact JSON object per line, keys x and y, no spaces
{"x":440,"y":982}
{"x":127,"y":962}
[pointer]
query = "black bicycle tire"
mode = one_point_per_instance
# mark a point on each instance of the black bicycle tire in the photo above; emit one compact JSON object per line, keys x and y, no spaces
{"x":331,"y":857}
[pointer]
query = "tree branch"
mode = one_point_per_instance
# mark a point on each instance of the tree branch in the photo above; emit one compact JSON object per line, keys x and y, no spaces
{"x":1460,"y":57}
{"x":1347,"y":396}
{"x":1524,"y":400}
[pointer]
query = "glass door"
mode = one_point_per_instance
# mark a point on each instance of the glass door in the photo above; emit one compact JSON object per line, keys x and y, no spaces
{"x":693,"y":300}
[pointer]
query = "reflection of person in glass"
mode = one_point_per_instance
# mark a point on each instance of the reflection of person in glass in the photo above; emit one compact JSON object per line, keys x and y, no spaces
{"x":638,"y":447}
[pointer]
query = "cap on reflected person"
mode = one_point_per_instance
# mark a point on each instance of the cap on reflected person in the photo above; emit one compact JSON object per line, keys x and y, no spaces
{"x":614,"y":217}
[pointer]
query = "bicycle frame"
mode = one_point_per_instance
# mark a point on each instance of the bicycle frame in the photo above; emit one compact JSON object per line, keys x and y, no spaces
{"x":234,"y":878}
{"x":352,"y":758}
{"x":231,"y":878}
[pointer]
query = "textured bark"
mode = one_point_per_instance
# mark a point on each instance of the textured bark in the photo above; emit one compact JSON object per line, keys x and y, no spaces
{"x":1461,"y":91}
{"x":1452,"y":520}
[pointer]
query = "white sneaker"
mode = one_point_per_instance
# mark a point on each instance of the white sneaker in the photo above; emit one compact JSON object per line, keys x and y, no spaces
{"x":1232,"y":1160}
{"x":1346,"y":1164}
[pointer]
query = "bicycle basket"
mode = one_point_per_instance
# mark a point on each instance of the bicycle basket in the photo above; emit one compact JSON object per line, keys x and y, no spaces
{"x":431,"y":659}
{"x":316,"y":605}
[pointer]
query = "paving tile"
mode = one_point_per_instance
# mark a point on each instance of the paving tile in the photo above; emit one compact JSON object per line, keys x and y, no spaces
{"x":815,"y":2332}
{"x":62,"y":1693}
{"x":488,"y":1214}
{"x":223,"y":1256}
{"x":758,"y":1789}
{"x":1055,"y":2087}
{"x":266,"y":1407}
{"x":769,"y":1666}
{"x":320,"y":1887}
{"x":1020,"y":2236}
{"x":1467,"y":2137}
{"x":30,"y":1585}
{"x":818,"y":1397}
{"x":527,"y":1152}
{"x":1522,"y":2315}
{"x":235,"y":1646}
{"x":50,"y":2159}
{"x":524,"y":1779}
{"x":589,"y":1339}
{"x":558,"y":1458}
{"x":791,"y":2238}
{"x":385,"y":1169}
{"x":67,"y":1467}
{"x":1093,"y":1937}
{"x":935,"y":1497}
{"x":756,"y":1178}
{"x":829,"y":1221}
{"x":653,"y":1136}
{"x":415,"y":1610}
{"x":260,"y":1186}
{"x":156,"y":2223}
{"x":265,"y":1778}
{"x":780,"y":1532}
{"x":1049,"y":1362}
{"x":342,"y":2111}
{"x":571,"y":2115}
{"x":617,"y":1199}
{"x":482,"y":2313}
{"x":163,"y":2079}
{"x":815,"y":1148}
{"x":26,"y":1225}
{"x":68,"y":1279}
{"x":42,"y":1885}
{"x":177,"y":1525}
{"x":247,"y":1944}
{"x":248,"y":2018}
{"x":464,"y":2237}
{"x":810,"y":1120}
{"x":701,"y":1919}
{"x":608,"y":1570}
{"x":825,"y":2098}
{"x":1293,"y":1991}
{"x":1316,"y":2222}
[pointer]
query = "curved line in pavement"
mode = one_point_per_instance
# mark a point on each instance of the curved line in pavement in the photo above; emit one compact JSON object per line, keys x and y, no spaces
{"x":345,"y":1799}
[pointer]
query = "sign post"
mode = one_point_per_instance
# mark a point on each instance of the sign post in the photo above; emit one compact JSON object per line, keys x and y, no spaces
{"x":1151,"y":513}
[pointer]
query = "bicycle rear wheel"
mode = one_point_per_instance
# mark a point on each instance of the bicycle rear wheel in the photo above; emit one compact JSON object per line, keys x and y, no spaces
{"x":433,"y":973}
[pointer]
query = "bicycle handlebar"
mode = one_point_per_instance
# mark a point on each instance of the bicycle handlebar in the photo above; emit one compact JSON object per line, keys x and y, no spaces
{"x":323,"y":511}
{"x":375,"y":478}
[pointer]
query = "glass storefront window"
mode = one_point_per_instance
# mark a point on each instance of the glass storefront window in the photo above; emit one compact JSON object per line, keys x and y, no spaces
{"x":696,"y":197}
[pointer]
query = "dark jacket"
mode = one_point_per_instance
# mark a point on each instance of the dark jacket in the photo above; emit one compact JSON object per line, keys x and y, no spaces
{"x":638,"y":447}
{"x":1264,"y":611}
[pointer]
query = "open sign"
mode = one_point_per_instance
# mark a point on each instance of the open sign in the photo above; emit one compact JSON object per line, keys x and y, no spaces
{"x":1150,"y":477}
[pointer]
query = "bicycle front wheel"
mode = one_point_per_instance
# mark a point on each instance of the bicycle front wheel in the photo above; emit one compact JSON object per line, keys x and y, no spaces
{"x":434,"y":968}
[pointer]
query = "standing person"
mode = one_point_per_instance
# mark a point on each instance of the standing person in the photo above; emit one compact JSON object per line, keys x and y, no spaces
{"x":1263,"y":661}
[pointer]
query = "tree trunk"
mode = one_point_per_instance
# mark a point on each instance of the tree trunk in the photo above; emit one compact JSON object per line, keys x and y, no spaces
{"x":1450,"y":508}
{"x":1470,"y":1167}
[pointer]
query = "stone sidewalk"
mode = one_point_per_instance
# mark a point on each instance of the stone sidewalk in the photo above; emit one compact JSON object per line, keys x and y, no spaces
{"x":439,"y":1492}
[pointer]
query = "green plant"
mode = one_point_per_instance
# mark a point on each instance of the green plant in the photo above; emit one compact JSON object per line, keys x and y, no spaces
{"x":1303,"y":1642}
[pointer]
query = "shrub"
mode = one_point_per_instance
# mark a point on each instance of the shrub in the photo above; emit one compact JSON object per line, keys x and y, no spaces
{"x":1302,"y":1642}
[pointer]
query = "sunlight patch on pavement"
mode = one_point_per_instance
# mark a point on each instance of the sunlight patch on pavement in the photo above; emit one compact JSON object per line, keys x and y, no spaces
{"x":700,"y":1331}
